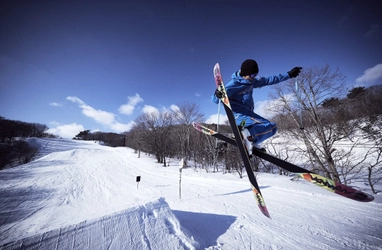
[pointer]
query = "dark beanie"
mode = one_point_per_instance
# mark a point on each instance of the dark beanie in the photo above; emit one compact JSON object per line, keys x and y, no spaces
{"x":249,"y":67}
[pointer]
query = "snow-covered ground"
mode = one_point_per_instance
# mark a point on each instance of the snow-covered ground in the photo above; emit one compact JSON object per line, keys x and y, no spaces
{"x":81,"y":195}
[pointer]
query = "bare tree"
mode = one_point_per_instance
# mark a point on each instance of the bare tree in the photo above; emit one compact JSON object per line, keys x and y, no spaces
{"x":156,"y":134}
{"x":372,"y":133}
{"x":135,"y":138}
{"x":320,"y":131}
{"x":184,"y":115}
{"x":375,"y":170}
{"x":284,"y":152}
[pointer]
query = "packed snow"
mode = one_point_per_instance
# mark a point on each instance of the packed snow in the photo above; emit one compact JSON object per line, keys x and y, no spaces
{"x":82,"y":195}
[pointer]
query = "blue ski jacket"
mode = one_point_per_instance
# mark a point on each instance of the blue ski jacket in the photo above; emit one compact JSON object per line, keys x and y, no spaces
{"x":239,"y":91}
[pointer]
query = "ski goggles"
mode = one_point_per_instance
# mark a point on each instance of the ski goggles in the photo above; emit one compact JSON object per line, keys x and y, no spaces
{"x":253,"y":75}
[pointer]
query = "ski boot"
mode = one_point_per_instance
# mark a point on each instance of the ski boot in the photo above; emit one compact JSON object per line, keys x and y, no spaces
{"x":249,"y":144}
{"x":247,"y":139}
{"x":258,"y":147}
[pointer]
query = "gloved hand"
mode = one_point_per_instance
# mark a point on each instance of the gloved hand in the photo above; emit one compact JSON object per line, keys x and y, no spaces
{"x":294,"y":72}
{"x":218,"y":94}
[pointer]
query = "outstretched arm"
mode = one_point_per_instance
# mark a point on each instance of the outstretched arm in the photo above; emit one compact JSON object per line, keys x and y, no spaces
{"x":270,"y":80}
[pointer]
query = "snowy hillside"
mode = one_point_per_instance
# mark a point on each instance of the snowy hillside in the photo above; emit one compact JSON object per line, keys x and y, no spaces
{"x":81,"y":195}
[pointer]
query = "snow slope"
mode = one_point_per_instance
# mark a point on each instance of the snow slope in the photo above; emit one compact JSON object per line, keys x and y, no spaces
{"x":132,"y":228}
{"x":81,"y":195}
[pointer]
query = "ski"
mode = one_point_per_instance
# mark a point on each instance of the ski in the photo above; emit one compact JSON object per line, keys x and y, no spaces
{"x":314,"y":178}
{"x":239,"y":141}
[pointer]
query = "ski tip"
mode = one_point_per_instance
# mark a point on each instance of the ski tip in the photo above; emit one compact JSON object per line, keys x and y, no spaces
{"x":197,"y":126}
{"x":264,"y":210}
{"x":216,"y":69}
{"x":337,"y":188}
{"x":260,"y":202}
{"x":362,"y":197}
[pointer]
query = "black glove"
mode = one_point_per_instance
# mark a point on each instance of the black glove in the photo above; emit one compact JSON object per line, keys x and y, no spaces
{"x":294,"y":72}
{"x":218,"y":94}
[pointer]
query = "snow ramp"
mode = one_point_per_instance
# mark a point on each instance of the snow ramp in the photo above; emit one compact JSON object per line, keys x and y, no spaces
{"x":151,"y":226}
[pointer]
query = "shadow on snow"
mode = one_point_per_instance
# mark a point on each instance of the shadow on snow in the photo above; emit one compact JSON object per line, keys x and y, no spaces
{"x":242,"y":191}
{"x":205,"y":228}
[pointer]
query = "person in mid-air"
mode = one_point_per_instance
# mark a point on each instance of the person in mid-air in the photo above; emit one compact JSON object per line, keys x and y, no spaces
{"x":239,"y":91}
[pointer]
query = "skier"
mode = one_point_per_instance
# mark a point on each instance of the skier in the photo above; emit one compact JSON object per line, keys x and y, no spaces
{"x":239,"y":91}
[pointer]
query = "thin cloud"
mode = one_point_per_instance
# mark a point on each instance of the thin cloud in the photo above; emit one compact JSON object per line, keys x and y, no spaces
{"x":55,"y":104}
{"x":371,"y":75}
{"x":373,"y":31}
{"x":345,"y":17}
{"x":102,"y":117}
{"x":75,"y":99}
{"x":105,"y":118}
{"x":128,"y":109}
{"x":153,"y":111}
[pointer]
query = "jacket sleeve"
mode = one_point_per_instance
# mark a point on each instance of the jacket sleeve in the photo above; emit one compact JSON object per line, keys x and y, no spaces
{"x":270,"y":80}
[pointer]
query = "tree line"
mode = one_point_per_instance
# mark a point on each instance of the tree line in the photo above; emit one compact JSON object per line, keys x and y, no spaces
{"x":107,"y":138}
{"x":13,"y":148}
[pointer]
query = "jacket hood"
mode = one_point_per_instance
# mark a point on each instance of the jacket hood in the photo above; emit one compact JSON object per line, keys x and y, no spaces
{"x":238,"y":78}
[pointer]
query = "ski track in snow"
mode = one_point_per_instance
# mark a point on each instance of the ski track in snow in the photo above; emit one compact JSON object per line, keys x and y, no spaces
{"x":81,"y":195}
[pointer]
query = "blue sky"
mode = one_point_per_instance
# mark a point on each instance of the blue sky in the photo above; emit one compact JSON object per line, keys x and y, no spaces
{"x":97,"y":65}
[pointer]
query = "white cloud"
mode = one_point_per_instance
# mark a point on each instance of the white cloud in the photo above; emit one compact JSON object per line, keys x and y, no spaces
{"x":54,"y":123}
{"x":75,"y":99}
{"x":263,"y":108}
{"x":66,"y":131}
{"x":99,"y":116}
{"x":177,"y":111}
{"x":120,"y":127}
{"x":102,"y":117}
{"x":270,"y":108}
{"x":108,"y":119}
{"x":148,"y":109}
{"x":128,"y":108}
{"x":213,"y":119}
{"x":55,"y":104}
{"x":175,"y":108}
{"x":371,"y":75}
